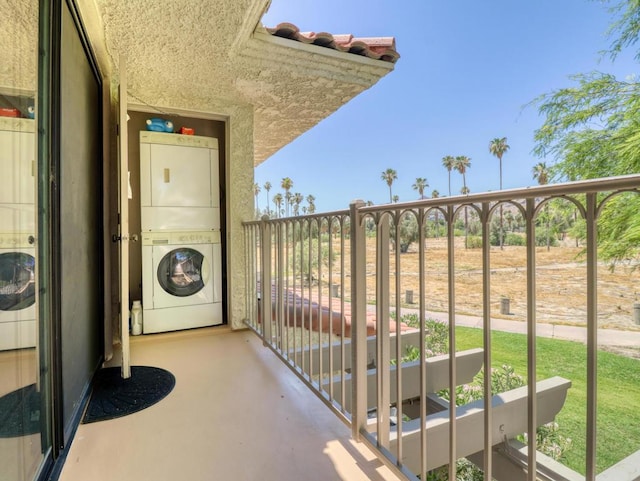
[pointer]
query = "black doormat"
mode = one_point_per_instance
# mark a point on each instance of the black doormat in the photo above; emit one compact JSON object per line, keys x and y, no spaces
{"x":113,"y":397}
{"x":20,"y":412}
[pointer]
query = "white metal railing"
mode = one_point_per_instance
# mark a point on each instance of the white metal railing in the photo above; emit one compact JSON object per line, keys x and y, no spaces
{"x":322,"y":288}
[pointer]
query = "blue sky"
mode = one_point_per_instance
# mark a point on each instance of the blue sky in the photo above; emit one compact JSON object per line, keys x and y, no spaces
{"x":466,"y":73}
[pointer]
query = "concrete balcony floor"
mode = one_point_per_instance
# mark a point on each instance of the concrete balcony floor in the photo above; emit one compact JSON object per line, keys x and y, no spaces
{"x":236,"y":413}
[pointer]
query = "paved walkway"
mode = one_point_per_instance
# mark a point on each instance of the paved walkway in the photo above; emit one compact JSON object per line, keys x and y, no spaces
{"x":614,"y":339}
{"x":606,"y":337}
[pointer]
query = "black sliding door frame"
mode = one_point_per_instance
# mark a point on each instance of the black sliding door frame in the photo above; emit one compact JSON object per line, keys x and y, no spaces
{"x":50,"y":215}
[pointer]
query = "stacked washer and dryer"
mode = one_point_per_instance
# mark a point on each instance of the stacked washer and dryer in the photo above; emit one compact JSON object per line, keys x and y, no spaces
{"x":181,"y":238}
{"x":17,"y":234}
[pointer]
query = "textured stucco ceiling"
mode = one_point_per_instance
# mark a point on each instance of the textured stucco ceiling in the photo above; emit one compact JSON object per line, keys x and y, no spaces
{"x":215,"y":52}
{"x":207,"y":56}
{"x":18,"y":39}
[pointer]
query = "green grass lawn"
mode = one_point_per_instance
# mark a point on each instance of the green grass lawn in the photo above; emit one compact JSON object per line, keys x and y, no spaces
{"x":618,"y":424}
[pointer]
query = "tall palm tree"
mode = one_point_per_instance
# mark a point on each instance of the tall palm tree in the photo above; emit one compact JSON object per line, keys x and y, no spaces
{"x":435,"y":194}
{"x":498,"y":147}
{"x":462,"y":163}
{"x":389,"y":176}
{"x":541,"y":174}
{"x":267,"y":187}
{"x":312,"y":205}
{"x":465,"y":191}
{"x":420,"y":185}
{"x":297,"y":200}
{"x":288,"y":202}
{"x":449,"y":163}
{"x":287,"y":184}
{"x":277,"y":200}
{"x":256,"y":191}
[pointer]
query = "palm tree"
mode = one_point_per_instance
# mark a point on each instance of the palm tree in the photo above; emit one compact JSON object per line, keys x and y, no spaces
{"x":449,"y":163}
{"x":256,"y":191}
{"x":420,"y":185}
{"x":389,"y":176}
{"x":312,"y":206}
{"x":287,"y":184}
{"x":435,"y":194}
{"x":277,"y":200}
{"x":396,"y":199}
{"x":498,"y":147}
{"x":297,"y":200}
{"x":288,"y":202}
{"x":461,"y":164}
{"x":267,"y":187}
{"x":465,"y":191}
{"x":541,"y":174}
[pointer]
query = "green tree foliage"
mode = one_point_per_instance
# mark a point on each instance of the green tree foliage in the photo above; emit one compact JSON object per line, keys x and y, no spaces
{"x":592,"y":129}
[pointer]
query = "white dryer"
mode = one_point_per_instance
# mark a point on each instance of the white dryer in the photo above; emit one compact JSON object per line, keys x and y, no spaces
{"x":179,"y":182}
{"x":17,"y":163}
{"x":181,"y":280}
{"x":17,"y":291}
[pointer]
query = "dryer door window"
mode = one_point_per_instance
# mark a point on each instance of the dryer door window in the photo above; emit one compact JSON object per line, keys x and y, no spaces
{"x":180,"y":272}
{"x":17,"y":281}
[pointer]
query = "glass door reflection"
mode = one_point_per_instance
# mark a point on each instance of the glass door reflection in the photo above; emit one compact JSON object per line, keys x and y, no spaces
{"x":21,"y":399}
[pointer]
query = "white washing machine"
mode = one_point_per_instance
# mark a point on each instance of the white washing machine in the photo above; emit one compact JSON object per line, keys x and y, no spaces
{"x":181,"y":280}
{"x":179,"y":182}
{"x":17,"y":291}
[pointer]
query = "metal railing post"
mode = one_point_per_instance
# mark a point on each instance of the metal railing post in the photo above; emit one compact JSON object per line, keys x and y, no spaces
{"x":592,"y":335}
{"x":383,"y":307}
{"x":532,"y":404}
{"x":486,"y":315}
{"x":453,"y":438}
{"x":358,"y":322}
{"x":265,"y":280}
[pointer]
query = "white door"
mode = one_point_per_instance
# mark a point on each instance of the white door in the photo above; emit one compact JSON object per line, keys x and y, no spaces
{"x":123,"y":233}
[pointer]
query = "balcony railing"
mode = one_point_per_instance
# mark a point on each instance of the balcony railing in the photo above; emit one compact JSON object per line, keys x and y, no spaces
{"x":341,"y":299}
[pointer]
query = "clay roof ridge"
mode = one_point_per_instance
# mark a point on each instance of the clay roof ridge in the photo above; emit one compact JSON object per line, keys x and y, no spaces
{"x":377,"y":48}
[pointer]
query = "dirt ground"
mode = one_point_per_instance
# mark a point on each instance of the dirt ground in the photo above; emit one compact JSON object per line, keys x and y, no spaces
{"x":560,"y":283}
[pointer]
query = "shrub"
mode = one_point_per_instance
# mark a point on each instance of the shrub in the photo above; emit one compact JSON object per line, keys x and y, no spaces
{"x":474,"y":242}
{"x":541,"y":238}
{"x":512,"y":239}
{"x":436,"y":339}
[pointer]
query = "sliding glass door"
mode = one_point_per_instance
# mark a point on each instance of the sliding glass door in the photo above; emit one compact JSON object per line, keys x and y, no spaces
{"x":24,"y":400}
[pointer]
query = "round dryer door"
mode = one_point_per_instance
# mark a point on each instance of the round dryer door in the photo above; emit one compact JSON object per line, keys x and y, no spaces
{"x":180,"y":272}
{"x":17,"y":281}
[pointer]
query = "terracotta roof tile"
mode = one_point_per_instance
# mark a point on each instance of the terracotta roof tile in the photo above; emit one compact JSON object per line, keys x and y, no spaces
{"x":377,"y":48}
